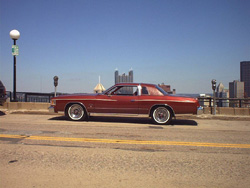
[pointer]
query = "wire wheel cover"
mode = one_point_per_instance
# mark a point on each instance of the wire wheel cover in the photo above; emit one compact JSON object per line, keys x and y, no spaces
{"x":76,"y":112}
{"x":161,"y":115}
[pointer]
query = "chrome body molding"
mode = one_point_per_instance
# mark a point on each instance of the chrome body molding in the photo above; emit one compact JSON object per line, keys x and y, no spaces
{"x":119,"y":115}
{"x":85,"y":99}
{"x":158,"y":100}
{"x":135,"y":100}
{"x":114,"y":108}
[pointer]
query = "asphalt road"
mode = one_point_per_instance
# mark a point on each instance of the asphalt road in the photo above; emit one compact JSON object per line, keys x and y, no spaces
{"x":49,"y":151}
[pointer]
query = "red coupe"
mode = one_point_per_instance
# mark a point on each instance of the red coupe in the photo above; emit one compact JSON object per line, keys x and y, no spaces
{"x":126,"y":98}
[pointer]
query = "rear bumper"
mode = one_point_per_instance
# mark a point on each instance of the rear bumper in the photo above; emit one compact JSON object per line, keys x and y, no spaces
{"x":199,"y":110}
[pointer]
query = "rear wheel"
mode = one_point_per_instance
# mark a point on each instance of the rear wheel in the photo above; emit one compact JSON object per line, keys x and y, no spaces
{"x":76,"y":112}
{"x":161,"y":115}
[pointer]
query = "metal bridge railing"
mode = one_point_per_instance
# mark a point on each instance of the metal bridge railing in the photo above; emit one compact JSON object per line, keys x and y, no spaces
{"x":204,"y":101}
{"x":31,"y":96}
{"x":225,"y":102}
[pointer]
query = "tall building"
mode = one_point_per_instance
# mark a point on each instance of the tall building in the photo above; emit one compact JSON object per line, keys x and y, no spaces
{"x":222,"y":93}
{"x":124,"y":78}
{"x":245,"y":76}
{"x":236,"y":89}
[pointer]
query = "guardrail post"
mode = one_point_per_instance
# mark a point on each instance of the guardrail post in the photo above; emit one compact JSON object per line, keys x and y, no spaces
{"x":25,"y":97}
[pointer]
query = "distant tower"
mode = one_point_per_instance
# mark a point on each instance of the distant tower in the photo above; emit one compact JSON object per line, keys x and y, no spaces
{"x":220,"y":88}
{"x":245,"y":76}
{"x":236,"y":89}
{"x":99,"y":88}
{"x":124,"y":78}
{"x":222,"y":93}
{"x":130,"y":76}
{"x":116,"y":76}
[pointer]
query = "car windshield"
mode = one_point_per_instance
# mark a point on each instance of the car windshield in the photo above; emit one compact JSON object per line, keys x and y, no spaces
{"x":108,"y":90}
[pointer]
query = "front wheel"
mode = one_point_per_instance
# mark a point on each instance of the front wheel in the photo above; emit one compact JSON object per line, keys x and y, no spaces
{"x":161,"y":115}
{"x":76,"y":112}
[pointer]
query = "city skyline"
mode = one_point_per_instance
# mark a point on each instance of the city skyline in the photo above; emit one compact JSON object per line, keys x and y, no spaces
{"x":181,"y":43}
{"x":123,"y":77}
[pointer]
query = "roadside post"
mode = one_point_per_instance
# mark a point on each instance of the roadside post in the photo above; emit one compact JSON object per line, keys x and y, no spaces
{"x":214,"y":97}
{"x":55,"y":83}
{"x":14,"y":34}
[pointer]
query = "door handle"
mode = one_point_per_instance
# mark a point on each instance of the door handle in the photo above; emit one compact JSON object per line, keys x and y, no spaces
{"x":133,"y":100}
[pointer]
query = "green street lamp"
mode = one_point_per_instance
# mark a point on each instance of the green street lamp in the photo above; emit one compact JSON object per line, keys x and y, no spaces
{"x":14,"y":34}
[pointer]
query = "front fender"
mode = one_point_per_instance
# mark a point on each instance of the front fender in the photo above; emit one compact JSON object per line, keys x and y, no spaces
{"x":69,"y":103}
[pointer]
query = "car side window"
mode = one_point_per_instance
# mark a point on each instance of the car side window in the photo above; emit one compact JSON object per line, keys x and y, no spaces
{"x":126,"y":90}
{"x":154,"y":91}
{"x":144,"y":91}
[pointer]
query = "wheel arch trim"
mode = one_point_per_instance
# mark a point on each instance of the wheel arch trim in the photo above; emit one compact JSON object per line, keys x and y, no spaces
{"x":75,"y":102}
{"x":157,"y":105}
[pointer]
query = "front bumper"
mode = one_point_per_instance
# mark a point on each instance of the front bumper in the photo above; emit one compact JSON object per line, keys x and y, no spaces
{"x":52,"y":109}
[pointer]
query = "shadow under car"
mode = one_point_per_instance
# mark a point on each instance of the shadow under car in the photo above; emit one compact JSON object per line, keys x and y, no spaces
{"x":137,"y":120}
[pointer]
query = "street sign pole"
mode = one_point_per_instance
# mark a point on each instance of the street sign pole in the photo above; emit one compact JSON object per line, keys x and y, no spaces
{"x":14,"y":84}
{"x":14,"y":34}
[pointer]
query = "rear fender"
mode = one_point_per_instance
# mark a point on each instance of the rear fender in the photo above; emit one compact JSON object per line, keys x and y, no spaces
{"x":165,"y":105}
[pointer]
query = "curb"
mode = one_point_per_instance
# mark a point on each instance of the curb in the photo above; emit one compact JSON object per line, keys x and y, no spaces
{"x":178,"y":116}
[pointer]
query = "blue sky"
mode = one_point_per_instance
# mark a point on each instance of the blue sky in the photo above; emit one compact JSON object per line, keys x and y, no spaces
{"x":184,"y":43}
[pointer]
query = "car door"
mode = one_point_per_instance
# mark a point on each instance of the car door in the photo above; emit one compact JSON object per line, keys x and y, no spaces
{"x":122,"y":99}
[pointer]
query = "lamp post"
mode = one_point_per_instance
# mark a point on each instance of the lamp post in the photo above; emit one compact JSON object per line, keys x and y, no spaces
{"x":214,"y":100}
{"x":14,"y":34}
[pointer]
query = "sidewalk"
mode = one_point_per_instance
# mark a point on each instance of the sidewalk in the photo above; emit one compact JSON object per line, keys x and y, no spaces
{"x":217,"y":117}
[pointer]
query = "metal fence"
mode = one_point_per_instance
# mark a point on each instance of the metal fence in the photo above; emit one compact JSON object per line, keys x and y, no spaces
{"x":31,"y":97}
{"x":225,"y":102}
{"x":204,"y":101}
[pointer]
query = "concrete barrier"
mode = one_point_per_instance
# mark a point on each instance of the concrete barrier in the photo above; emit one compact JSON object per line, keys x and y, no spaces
{"x":207,"y":110}
{"x":25,"y":106}
{"x":225,"y":110}
{"x":242,"y":111}
{"x":228,"y":111}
